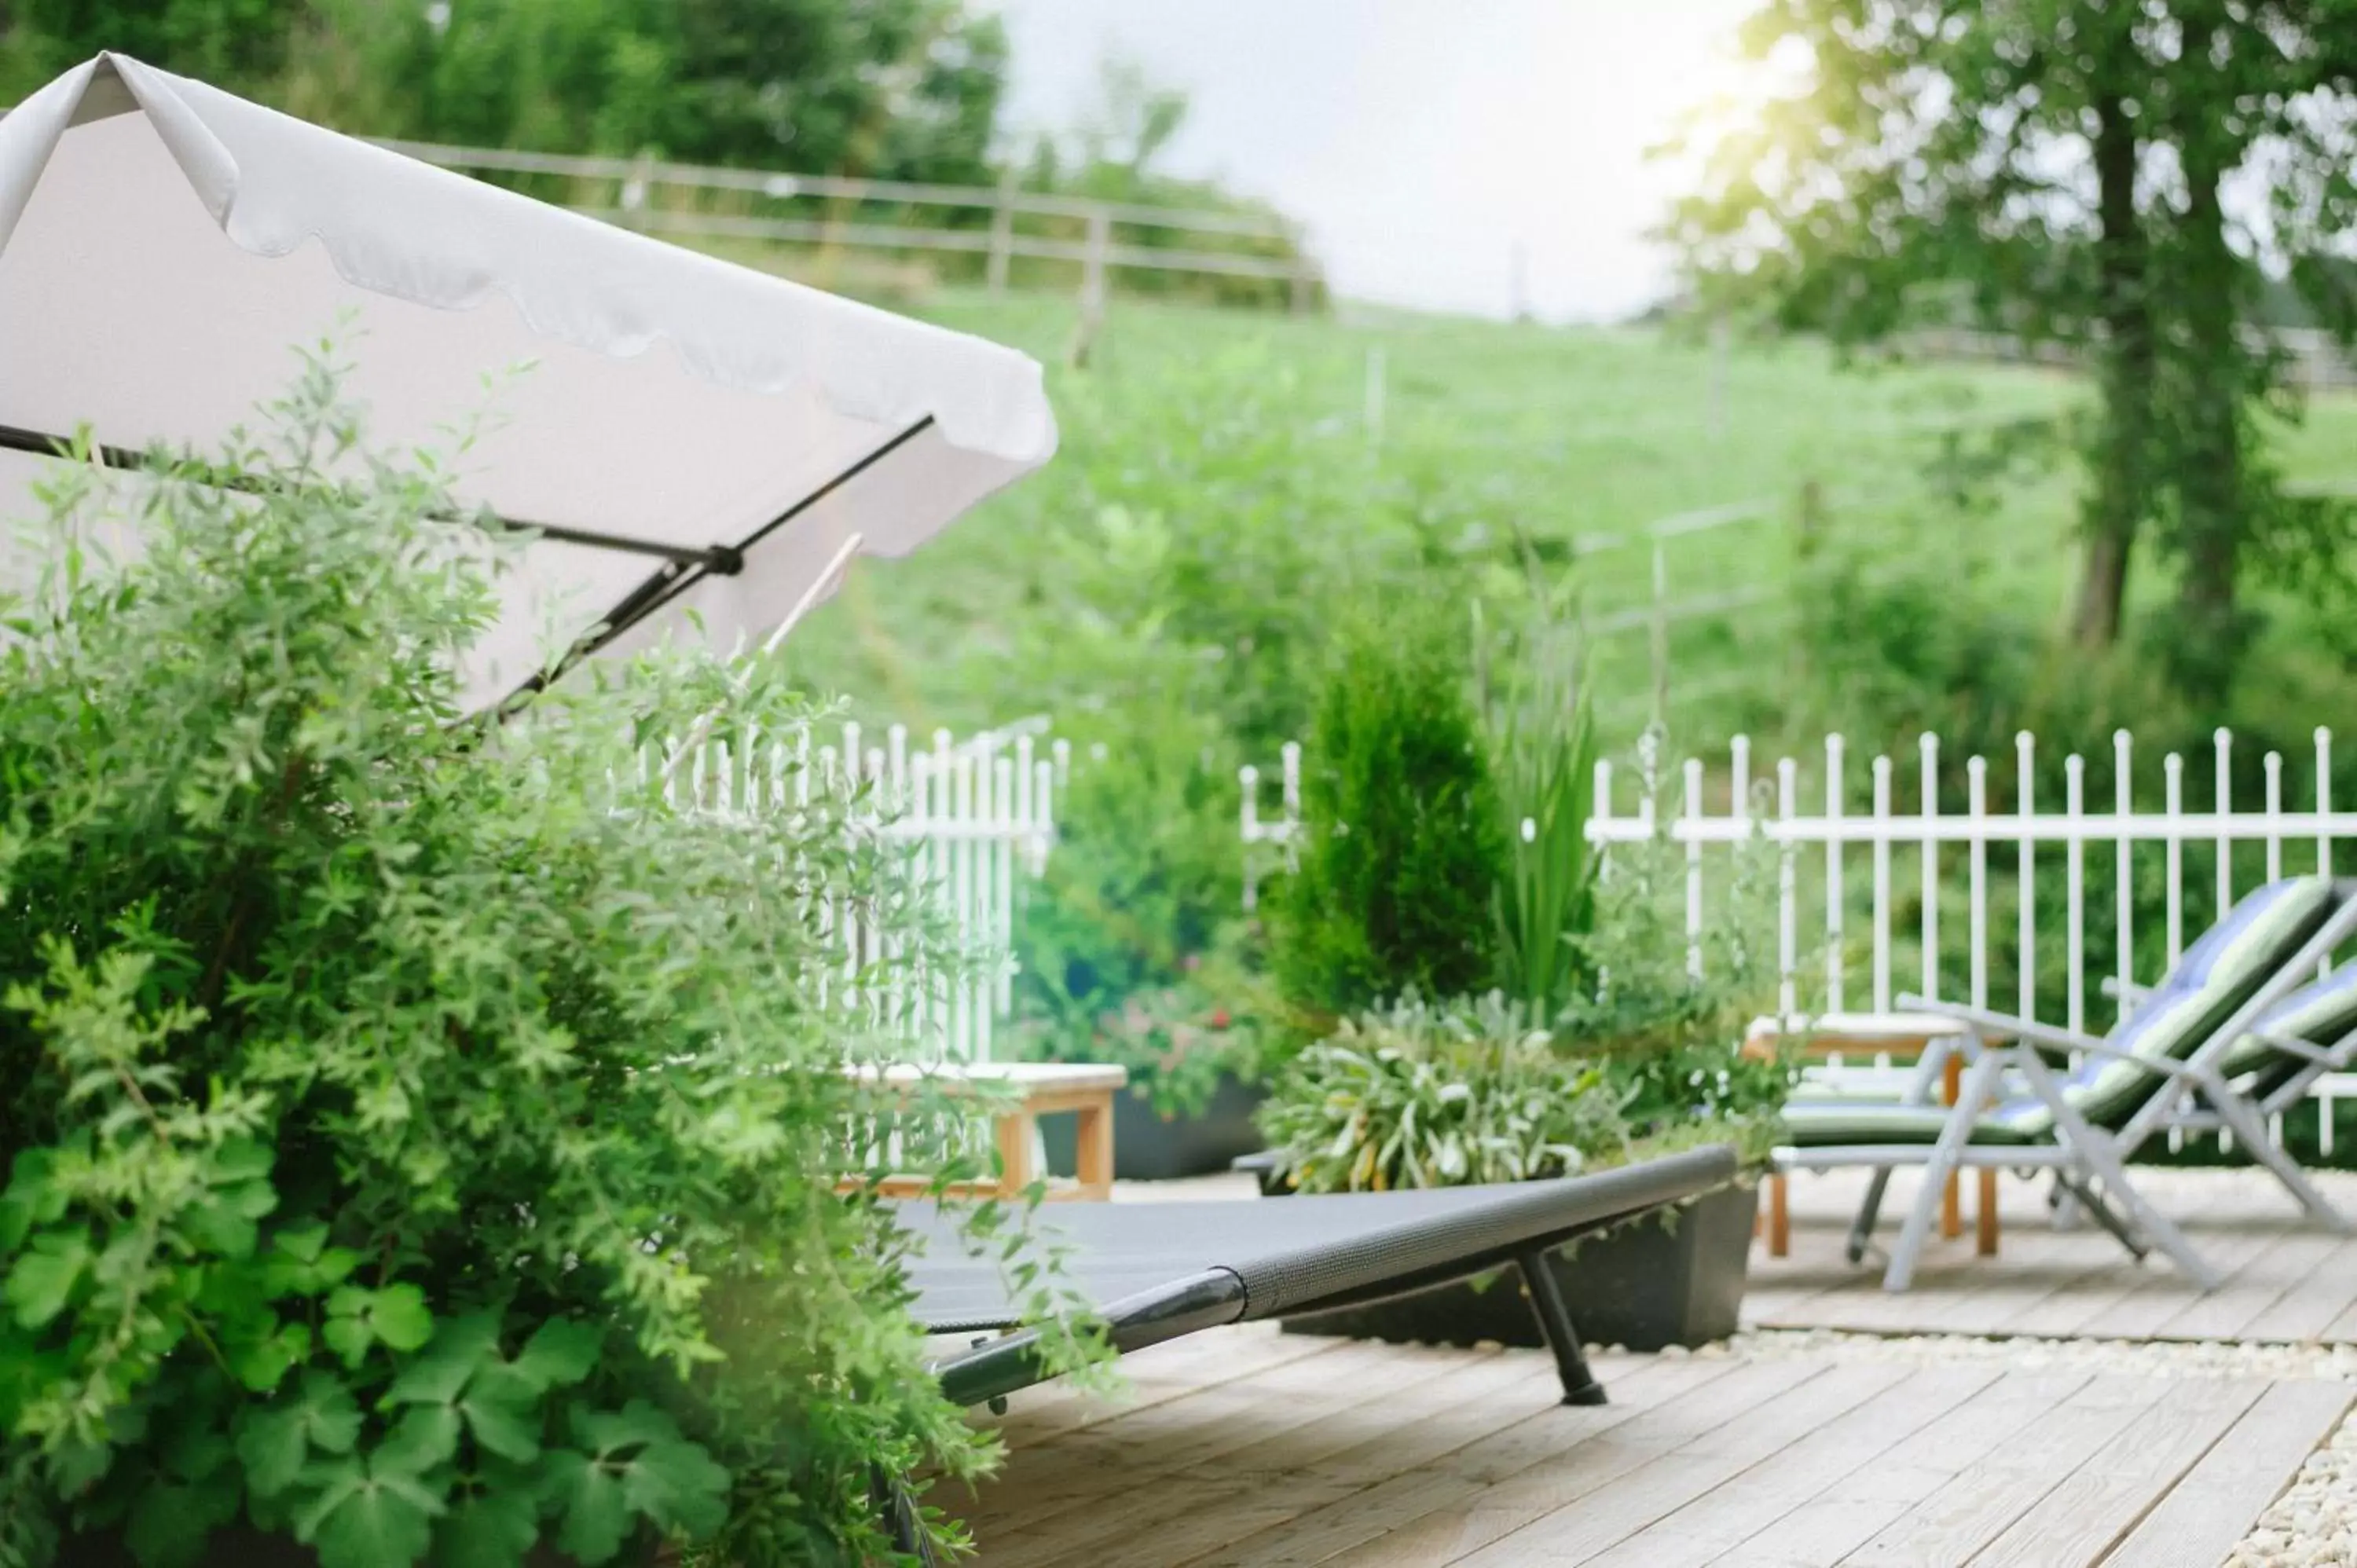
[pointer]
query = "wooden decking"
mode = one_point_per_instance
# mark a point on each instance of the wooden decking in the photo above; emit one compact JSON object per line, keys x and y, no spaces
{"x":1243,"y":1448}
{"x":2288,"y":1279}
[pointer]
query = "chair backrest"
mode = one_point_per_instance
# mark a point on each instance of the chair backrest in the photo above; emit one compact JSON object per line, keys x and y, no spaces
{"x":2216,"y":976}
{"x":2321,"y":1013}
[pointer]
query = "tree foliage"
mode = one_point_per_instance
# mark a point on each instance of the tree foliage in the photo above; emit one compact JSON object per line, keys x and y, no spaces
{"x":906,"y":89}
{"x":2119,"y":177}
{"x":408,"y":1143}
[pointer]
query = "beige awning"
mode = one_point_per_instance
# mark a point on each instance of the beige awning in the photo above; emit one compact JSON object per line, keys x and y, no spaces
{"x":696,"y":435}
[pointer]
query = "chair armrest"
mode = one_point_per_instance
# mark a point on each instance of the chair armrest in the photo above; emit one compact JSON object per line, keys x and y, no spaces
{"x":2006,"y":1025}
{"x":2126,"y":990}
{"x":2293,"y":1045}
{"x":2169,"y":1067}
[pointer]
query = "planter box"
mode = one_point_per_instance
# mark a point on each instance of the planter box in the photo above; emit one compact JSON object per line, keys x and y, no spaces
{"x":1147,"y":1148}
{"x":1655,"y":1282}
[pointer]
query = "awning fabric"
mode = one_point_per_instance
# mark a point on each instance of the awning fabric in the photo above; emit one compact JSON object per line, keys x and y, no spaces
{"x":703,"y":437}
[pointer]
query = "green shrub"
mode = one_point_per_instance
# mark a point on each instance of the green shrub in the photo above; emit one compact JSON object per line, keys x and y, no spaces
{"x":1422,"y":1094}
{"x":407,"y":1148}
{"x":1404,"y":840}
{"x":1661,"y":1012}
{"x":1130,"y":948}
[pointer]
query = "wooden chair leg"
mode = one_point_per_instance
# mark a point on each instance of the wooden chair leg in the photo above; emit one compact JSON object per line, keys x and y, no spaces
{"x":1014,"y":1134}
{"x":1779,"y":1216}
{"x":1094,"y":1151}
{"x":1986,"y":1216}
{"x":1951,"y":1202}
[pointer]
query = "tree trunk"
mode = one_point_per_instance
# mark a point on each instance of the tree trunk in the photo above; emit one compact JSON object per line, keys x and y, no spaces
{"x":2210,"y":480}
{"x":2120,"y":491}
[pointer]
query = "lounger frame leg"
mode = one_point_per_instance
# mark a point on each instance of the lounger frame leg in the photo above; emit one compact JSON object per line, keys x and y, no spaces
{"x":1947,"y":1157}
{"x":900,"y":1514}
{"x":2252,"y":1129}
{"x":2084,"y":1199}
{"x":1580,"y":1384}
{"x":2101,"y":1161}
{"x":1861,"y":1229}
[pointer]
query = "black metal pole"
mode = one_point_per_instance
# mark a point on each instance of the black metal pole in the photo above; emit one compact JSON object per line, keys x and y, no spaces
{"x":672,"y":579}
{"x":899,"y":1518}
{"x":712,"y":558}
{"x":1580,"y":1384}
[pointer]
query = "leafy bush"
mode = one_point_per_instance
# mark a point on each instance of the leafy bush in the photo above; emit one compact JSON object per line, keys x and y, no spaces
{"x":1422,"y":1094}
{"x":407,"y":1148}
{"x":1661,"y":1012}
{"x":1130,"y":947}
{"x":1404,"y":840}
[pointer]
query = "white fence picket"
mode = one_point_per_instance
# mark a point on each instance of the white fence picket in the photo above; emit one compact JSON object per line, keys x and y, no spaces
{"x":973,"y":822}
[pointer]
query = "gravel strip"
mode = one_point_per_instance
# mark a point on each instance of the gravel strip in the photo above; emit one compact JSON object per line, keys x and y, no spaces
{"x":2314,"y":1523}
{"x":2159,"y":1358}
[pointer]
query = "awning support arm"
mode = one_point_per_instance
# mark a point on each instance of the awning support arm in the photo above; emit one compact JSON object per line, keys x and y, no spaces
{"x":672,"y":579}
{"x":716,"y":558}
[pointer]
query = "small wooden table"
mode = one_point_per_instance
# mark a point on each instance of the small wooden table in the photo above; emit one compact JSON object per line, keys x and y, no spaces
{"x":1046,"y":1089}
{"x":1870,"y":1035}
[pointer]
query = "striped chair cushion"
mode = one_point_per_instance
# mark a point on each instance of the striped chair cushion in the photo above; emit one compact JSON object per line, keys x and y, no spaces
{"x":2215,"y":976}
{"x":1829,"y":1123}
{"x":2319,"y":1012}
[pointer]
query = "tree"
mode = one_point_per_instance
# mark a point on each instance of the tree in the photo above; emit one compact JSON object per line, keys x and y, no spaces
{"x":238,"y":44}
{"x":900,"y":88}
{"x":2066,"y":171}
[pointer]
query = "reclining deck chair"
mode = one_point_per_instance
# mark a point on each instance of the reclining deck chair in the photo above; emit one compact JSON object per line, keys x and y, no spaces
{"x":1154,"y":1271}
{"x":2085,"y":1127}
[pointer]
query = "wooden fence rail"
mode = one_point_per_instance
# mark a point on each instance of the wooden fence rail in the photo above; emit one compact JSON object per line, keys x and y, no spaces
{"x":1099,"y":251}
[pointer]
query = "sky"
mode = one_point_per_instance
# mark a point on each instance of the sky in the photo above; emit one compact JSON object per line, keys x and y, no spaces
{"x":1422,"y":141}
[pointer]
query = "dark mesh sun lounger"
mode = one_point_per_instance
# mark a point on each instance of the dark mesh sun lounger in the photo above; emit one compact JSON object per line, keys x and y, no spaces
{"x":1160,"y":1270}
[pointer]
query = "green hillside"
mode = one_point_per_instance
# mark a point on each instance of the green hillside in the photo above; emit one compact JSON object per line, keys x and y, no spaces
{"x":1218,"y":422}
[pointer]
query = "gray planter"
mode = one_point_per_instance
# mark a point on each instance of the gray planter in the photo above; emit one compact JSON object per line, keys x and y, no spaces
{"x":1147,"y":1148}
{"x":1670,"y":1278}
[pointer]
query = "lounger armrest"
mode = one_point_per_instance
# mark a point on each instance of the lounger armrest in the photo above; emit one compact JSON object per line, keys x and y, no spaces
{"x":2293,"y":1045}
{"x":2167,"y":1066}
{"x":2005,"y":1026}
{"x":2126,"y":990}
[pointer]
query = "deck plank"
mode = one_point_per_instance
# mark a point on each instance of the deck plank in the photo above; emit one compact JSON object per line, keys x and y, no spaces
{"x":1975,"y":1508}
{"x":1278,"y":1489}
{"x":1374,"y":1442}
{"x":2100,"y":1501}
{"x":1154,"y":1376}
{"x":1042,"y":1481}
{"x":1393,"y":1511}
{"x":1162,"y":1480}
{"x":2202,"y":1518}
{"x":1559,"y":1513}
{"x":1723,"y":1518}
{"x":1822,"y":1532}
{"x":2272,"y":1273}
{"x":2307,"y":1310}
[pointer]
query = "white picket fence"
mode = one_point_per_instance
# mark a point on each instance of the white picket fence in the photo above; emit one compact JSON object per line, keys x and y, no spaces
{"x":975,"y":818}
{"x":1847,"y":851}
